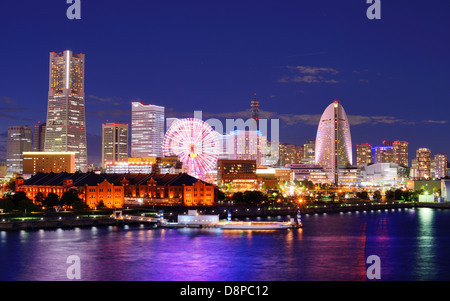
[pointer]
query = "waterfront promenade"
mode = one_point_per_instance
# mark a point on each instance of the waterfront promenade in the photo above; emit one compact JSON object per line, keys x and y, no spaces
{"x":68,"y":221}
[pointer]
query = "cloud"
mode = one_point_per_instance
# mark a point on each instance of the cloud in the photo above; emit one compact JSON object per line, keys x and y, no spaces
{"x":436,"y":121}
{"x":116,"y":113}
{"x":310,"y":75}
{"x":7,"y":100}
{"x":307,"y":119}
{"x":313,"y":70}
{"x":115,"y":101}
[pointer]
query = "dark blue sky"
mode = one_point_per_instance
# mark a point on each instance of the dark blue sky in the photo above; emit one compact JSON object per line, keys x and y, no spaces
{"x":391,"y":75}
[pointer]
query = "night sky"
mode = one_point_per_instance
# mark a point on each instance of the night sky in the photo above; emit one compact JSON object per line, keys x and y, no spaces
{"x":391,"y":75}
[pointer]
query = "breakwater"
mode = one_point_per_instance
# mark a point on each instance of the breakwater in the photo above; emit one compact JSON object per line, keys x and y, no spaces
{"x":65,"y":223}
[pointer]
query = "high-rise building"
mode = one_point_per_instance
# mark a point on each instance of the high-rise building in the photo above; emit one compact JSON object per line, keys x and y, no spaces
{"x":383,"y":154}
{"x":423,"y":156}
{"x":17,"y":142}
{"x":147,"y":130}
{"x":66,"y":124}
{"x":333,"y":142}
{"x":440,"y":165}
{"x":114,"y":142}
{"x":363,"y":154}
{"x":39,"y":137}
{"x":290,"y":154}
{"x":400,"y":152}
{"x":309,"y":152}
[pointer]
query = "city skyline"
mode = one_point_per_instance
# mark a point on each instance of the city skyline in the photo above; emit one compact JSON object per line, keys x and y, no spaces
{"x":340,"y":55}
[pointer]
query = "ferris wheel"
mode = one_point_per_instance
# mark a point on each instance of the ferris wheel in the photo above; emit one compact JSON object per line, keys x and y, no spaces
{"x":195,"y":143}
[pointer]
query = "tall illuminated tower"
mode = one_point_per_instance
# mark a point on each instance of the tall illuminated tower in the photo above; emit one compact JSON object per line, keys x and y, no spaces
{"x":333,"y":141}
{"x":66,"y":124}
{"x":147,"y":130}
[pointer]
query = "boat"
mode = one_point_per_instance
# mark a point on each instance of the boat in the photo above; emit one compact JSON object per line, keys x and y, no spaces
{"x":260,"y":225}
{"x":255,"y":225}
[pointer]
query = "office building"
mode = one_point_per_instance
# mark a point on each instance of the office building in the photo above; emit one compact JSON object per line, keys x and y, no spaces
{"x":17,"y":142}
{"x":237,"y":175}
{"x":46,"y":162}
{"x":147,"y":130}
{"x":66,"y":124}
{"x":333,"y":142}
{"x":114,"y":142}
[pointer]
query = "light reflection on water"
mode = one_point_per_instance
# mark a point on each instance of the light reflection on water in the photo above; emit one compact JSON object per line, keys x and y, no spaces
{"x":412,"y":245}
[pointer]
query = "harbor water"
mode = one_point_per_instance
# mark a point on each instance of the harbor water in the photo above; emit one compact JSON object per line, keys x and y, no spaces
{"x":412,"y":244}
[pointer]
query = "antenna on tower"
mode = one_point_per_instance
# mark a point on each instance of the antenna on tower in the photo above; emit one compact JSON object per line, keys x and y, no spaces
{"x":255,"y":110}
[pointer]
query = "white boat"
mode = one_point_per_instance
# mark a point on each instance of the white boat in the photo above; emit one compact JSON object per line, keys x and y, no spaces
{"x":255,"y":225}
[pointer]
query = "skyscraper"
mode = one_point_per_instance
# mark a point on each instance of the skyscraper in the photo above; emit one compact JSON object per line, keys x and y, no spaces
{"x":17,"y":142}
{"x":440,"y":161}
{"x":66,"y":126}
{"x":363,"y":154}
{"x":39,"y":137}
{"x":114,"y":142}
{"x":333,"y":141}
{"x":423,"y":156}
{"x":400,"y":151}
{"x":383,"y":154}
{"x":147,"y":130}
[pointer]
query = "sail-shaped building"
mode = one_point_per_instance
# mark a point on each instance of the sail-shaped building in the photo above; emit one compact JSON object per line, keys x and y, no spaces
{"x":333,"y":141}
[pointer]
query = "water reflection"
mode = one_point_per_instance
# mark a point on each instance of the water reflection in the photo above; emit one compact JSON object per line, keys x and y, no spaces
{"x":410,"y":243}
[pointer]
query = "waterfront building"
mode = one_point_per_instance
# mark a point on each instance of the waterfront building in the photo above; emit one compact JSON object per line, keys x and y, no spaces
{"x":17,"y":142}
{"x":383,"y":174}
{"x":237,"y":175}
{"x":271,"y":178}
{"x":114,"y":142}
{"x":309,"y":172}
{"x":349,"y":176}
{"x":363,"y":154}
{"x":440,"y":161}
{"x":66,"y":126}
{"x":333,"y":148}
{"x":39,"y":137}
{"x":114,"y":190}
{"x":46,"y":162}
{"x":147,"y":130}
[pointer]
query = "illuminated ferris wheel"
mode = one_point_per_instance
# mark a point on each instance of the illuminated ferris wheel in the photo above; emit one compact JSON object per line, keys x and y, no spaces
{"x":195,"y":143}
